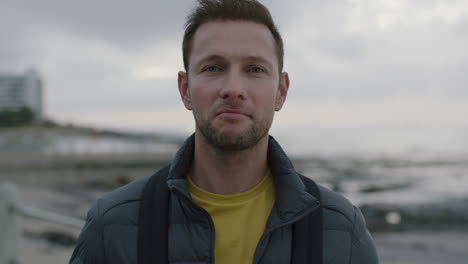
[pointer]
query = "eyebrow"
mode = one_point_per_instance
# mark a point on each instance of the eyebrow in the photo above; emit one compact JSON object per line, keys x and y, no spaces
{"x":209,"y":58}
{"x":259,"y":59}
{"x":215,"y":57}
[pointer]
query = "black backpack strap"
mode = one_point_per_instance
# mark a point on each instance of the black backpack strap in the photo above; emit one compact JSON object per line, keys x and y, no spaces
{"x":307,"y":241}
{"x":153,"y":220}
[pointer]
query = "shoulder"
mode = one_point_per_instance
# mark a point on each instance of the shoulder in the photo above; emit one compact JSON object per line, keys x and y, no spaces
{"x":341,"y":217}
{"x":336,"y":203}
{"x":338,"y":212}
{"x":342,"y":221}
{"x":120,"y":206}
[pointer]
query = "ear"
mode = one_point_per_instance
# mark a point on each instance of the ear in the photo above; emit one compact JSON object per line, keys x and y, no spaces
{"x":182,"y":80}
{"x":282,"y":91}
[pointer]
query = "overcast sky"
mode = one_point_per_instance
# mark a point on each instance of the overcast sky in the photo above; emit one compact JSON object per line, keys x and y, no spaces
{"x":114,"y":63}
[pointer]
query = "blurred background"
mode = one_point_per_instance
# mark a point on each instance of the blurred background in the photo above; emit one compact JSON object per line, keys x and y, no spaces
{"x":377,"y":110}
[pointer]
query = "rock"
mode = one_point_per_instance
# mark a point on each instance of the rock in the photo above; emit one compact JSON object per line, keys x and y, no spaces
{"x":450,"y":214}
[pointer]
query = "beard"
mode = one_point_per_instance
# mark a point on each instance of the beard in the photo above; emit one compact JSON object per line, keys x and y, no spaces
{"x":227,"y":141}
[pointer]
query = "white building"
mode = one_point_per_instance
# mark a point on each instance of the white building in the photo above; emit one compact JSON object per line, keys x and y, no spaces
{"x":21,"y":90}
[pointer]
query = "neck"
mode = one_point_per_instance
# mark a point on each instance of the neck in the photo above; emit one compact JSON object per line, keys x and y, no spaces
{"x":228,"y":172}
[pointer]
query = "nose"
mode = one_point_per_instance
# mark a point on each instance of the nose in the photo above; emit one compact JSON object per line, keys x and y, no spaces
{"x":233,"y":87}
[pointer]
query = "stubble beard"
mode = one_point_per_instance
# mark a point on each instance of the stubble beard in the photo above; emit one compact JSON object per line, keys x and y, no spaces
{"x":228,"y":142}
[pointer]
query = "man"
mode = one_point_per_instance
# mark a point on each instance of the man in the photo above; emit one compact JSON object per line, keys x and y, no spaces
{"x":230,"y":195}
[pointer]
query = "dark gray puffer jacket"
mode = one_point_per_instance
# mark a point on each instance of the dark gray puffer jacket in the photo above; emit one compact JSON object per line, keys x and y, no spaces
{"x":111,"y":232}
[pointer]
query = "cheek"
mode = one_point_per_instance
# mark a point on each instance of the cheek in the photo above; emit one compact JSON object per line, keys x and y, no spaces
{"x":203,"y":90}
{"x":267,"y":97}
{"x":201,"y":103}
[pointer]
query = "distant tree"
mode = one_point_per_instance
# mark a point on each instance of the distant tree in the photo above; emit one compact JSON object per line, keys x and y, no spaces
{"x":16,"y":117}
{"x":48,"y":123}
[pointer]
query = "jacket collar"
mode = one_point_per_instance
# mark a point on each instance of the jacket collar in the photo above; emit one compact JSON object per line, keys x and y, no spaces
{"x":292,"y":200}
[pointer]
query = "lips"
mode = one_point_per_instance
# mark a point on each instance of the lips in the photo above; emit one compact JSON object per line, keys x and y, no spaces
{"x":232,"y":113}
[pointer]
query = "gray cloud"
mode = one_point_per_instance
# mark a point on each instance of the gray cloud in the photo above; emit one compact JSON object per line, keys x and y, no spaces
{"x":88,"y":50}
{"x":121,"y":23}
{"x":409,"y":57}
{"x":124,"y":25}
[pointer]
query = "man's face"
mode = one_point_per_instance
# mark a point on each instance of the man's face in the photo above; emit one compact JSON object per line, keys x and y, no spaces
{"x":233,"y":85}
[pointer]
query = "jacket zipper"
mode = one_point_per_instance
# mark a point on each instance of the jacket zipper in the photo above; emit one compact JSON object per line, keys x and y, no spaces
{"x":210,"y":221}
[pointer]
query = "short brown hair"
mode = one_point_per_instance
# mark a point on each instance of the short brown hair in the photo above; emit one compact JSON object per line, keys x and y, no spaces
{"x":211,"y":10}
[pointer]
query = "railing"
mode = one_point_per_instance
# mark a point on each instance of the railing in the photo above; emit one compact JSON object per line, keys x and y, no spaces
{"x":10,"y":211}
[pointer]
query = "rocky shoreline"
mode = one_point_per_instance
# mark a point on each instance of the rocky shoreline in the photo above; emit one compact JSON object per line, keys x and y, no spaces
{"x":415,"y":206}
{"x":445,"y":215}
{"x":105,"y":172}
{"x":49,"y":243}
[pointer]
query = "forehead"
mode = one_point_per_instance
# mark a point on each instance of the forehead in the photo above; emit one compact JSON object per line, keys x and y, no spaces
{"x":233,"y":39}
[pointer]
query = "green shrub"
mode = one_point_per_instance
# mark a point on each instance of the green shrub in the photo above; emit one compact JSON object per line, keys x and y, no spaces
{"x":16,"y":117}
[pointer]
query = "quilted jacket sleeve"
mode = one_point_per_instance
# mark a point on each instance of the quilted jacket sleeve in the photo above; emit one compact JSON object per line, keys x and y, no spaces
{"x":89,"y":248}
{"x":363,"y":249}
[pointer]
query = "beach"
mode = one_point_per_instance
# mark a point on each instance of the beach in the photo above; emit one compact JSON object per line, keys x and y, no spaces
{"x":409,"y":247}
{"x":393,"y":248}
{"x":414,"y":202}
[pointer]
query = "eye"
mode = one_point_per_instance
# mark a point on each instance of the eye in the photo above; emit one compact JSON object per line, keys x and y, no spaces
{"x":212,"y":69}
{"x":256,"y":69}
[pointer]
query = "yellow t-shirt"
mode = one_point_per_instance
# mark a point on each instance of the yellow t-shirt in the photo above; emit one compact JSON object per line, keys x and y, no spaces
{"x":239,"y":219}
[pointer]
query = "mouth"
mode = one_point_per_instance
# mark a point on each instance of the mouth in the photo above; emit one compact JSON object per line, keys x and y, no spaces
{"x":232,"y":114}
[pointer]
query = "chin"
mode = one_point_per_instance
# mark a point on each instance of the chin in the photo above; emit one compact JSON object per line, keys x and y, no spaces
{"x":232,"y":139}
{"x":233,"y":136}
